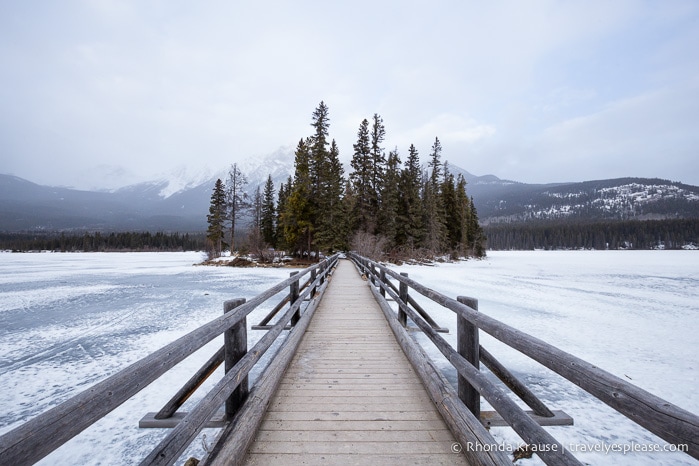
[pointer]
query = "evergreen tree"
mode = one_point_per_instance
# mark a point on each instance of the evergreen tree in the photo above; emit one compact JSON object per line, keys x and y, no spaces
{"x":298,"y":214}
{"x":361,"y":177}
{"x":236,"y":199}
{"x":268,"y":220}
{"x":451,"y":210}
{"x":389,"y":212}
{"x":331,"y":234}
{"x":435,"y":215}
{"x":411,"y":230}
{"x":378,"y":164}
{"x":463,"y":215}
{"x":216,"y":218}
{"x":255,"y":236}
{"x":475,"y":232}
{"x":282,"y":204}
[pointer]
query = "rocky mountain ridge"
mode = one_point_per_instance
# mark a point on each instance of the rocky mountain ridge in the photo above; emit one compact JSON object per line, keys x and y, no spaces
{"x":181,"y":204}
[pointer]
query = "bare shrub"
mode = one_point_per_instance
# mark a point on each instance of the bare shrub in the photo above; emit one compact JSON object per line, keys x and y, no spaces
{"x":368,"y":245}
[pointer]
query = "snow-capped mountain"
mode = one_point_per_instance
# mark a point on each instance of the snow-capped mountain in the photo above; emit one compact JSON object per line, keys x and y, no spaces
{"x":179,"y":200}
{"x":617,"y":199}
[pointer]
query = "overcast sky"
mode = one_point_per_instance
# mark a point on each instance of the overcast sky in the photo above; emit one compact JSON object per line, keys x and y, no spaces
{"x":534,"y":91}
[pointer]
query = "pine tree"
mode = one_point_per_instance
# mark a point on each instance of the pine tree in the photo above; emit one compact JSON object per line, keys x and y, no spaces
{"x":451,"y":210}
{"x":435,"y":215}
{"x":216,"y":218}
{"x":255,"y":237}
{"x":475,"y":232}
{"x":298,"y":214}
{"x":389,"y":211}
{"x":268,"y":214}
{"x":411,"y":230}
{"x":236,"y":199}
{"x":361,"y":180}
{"x":378,"y":164}
{"x":331,"y":233}
{"x":282,"y":204}
{"x":463,"y":215}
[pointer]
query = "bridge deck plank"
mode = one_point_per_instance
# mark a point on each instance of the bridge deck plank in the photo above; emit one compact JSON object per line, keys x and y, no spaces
{"x":350,"y":395}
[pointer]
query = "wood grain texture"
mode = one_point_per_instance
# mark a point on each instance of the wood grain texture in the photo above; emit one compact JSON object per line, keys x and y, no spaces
{"x":350,"y":396}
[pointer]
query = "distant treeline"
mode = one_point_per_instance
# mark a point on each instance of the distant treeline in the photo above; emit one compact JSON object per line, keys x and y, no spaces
{"x":670,"y":234}
{"x":102,"y":242}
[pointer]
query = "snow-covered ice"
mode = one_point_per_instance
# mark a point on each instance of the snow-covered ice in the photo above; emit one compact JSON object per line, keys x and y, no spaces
{"x":632,"y":313}
{"x":68,"y":321}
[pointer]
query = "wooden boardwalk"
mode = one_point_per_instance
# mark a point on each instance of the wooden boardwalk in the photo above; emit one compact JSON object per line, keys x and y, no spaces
{"x":350,"y":396}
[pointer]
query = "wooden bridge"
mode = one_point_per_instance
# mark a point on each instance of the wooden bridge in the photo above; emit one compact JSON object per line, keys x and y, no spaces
{"x":349,"y":385}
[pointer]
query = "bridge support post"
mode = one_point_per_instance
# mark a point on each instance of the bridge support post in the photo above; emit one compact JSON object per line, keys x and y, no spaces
{"x":314,"y":275}
{"x":383,"y":280}
{"x":467,"y":346}
{"x":403,"y":295}
{"x":235,"y":343}
{"x":293,"y":297}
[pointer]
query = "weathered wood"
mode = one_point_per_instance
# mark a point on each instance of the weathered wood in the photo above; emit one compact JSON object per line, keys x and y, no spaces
{"x":176,"y":442}
{"x":191,"y":386}
{"x":558,"y":418}
{"x":403,"y":295}
{"x":235,"y":439}
{"x":514,"y":384}
{"x":467,"y":346}
{"x":550,"y":450}
{"x":383,"y":280}
{"x":349,"y":332}
{"x":150,"y":421}
{"x":235,"y":344}
{"x":293,"y":297}
{"x":465,"y":427}
{"x":666,"y":420}
{"x":419,"y":310}
{"x":273,"y":312}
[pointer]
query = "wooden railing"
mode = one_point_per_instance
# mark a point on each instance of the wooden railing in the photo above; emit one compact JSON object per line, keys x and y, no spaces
{"x":41,"y":435}
{"x":671,"y":423}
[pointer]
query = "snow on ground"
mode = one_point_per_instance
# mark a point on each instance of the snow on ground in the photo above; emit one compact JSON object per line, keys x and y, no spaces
{"x":632,"y":313}
{"x":68,"y":321}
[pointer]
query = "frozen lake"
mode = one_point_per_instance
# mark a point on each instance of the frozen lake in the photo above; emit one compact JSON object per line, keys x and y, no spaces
{"x":68,"y":321}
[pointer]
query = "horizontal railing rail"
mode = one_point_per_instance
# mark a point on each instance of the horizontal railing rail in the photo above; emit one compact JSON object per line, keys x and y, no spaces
{"x":38,"y":437}
{"x":664,"y":419}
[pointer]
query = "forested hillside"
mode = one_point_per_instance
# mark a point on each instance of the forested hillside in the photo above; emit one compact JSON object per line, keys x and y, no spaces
{"x":630,"y":234}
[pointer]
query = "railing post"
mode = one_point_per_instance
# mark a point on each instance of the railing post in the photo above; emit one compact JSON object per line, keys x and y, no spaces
{"x":383,"y":280}
{"x":314,"y":275}
{"x":403,"y":295}
{"x":372,"y":273}
{"x":467,"y":346}
{"x":235,"y":342}
{"x":293,"y":296}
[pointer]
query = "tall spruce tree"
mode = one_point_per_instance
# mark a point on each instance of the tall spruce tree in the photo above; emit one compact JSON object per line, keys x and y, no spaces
{"x":237,"y":199}
{"x":361,"y":177}
{"x":298,"y":217}
{"x":268,"y":220}
{"x":435,"y":215}
{"x":411,"y":229}
{"x":389,"y":210}
{"x":378,"y":165}
{"x":255,"y":236}
{"x":282,"y":203}
{"x":331,"y":232}
{"x":215,"y":233}
{"x":463,"y":215}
